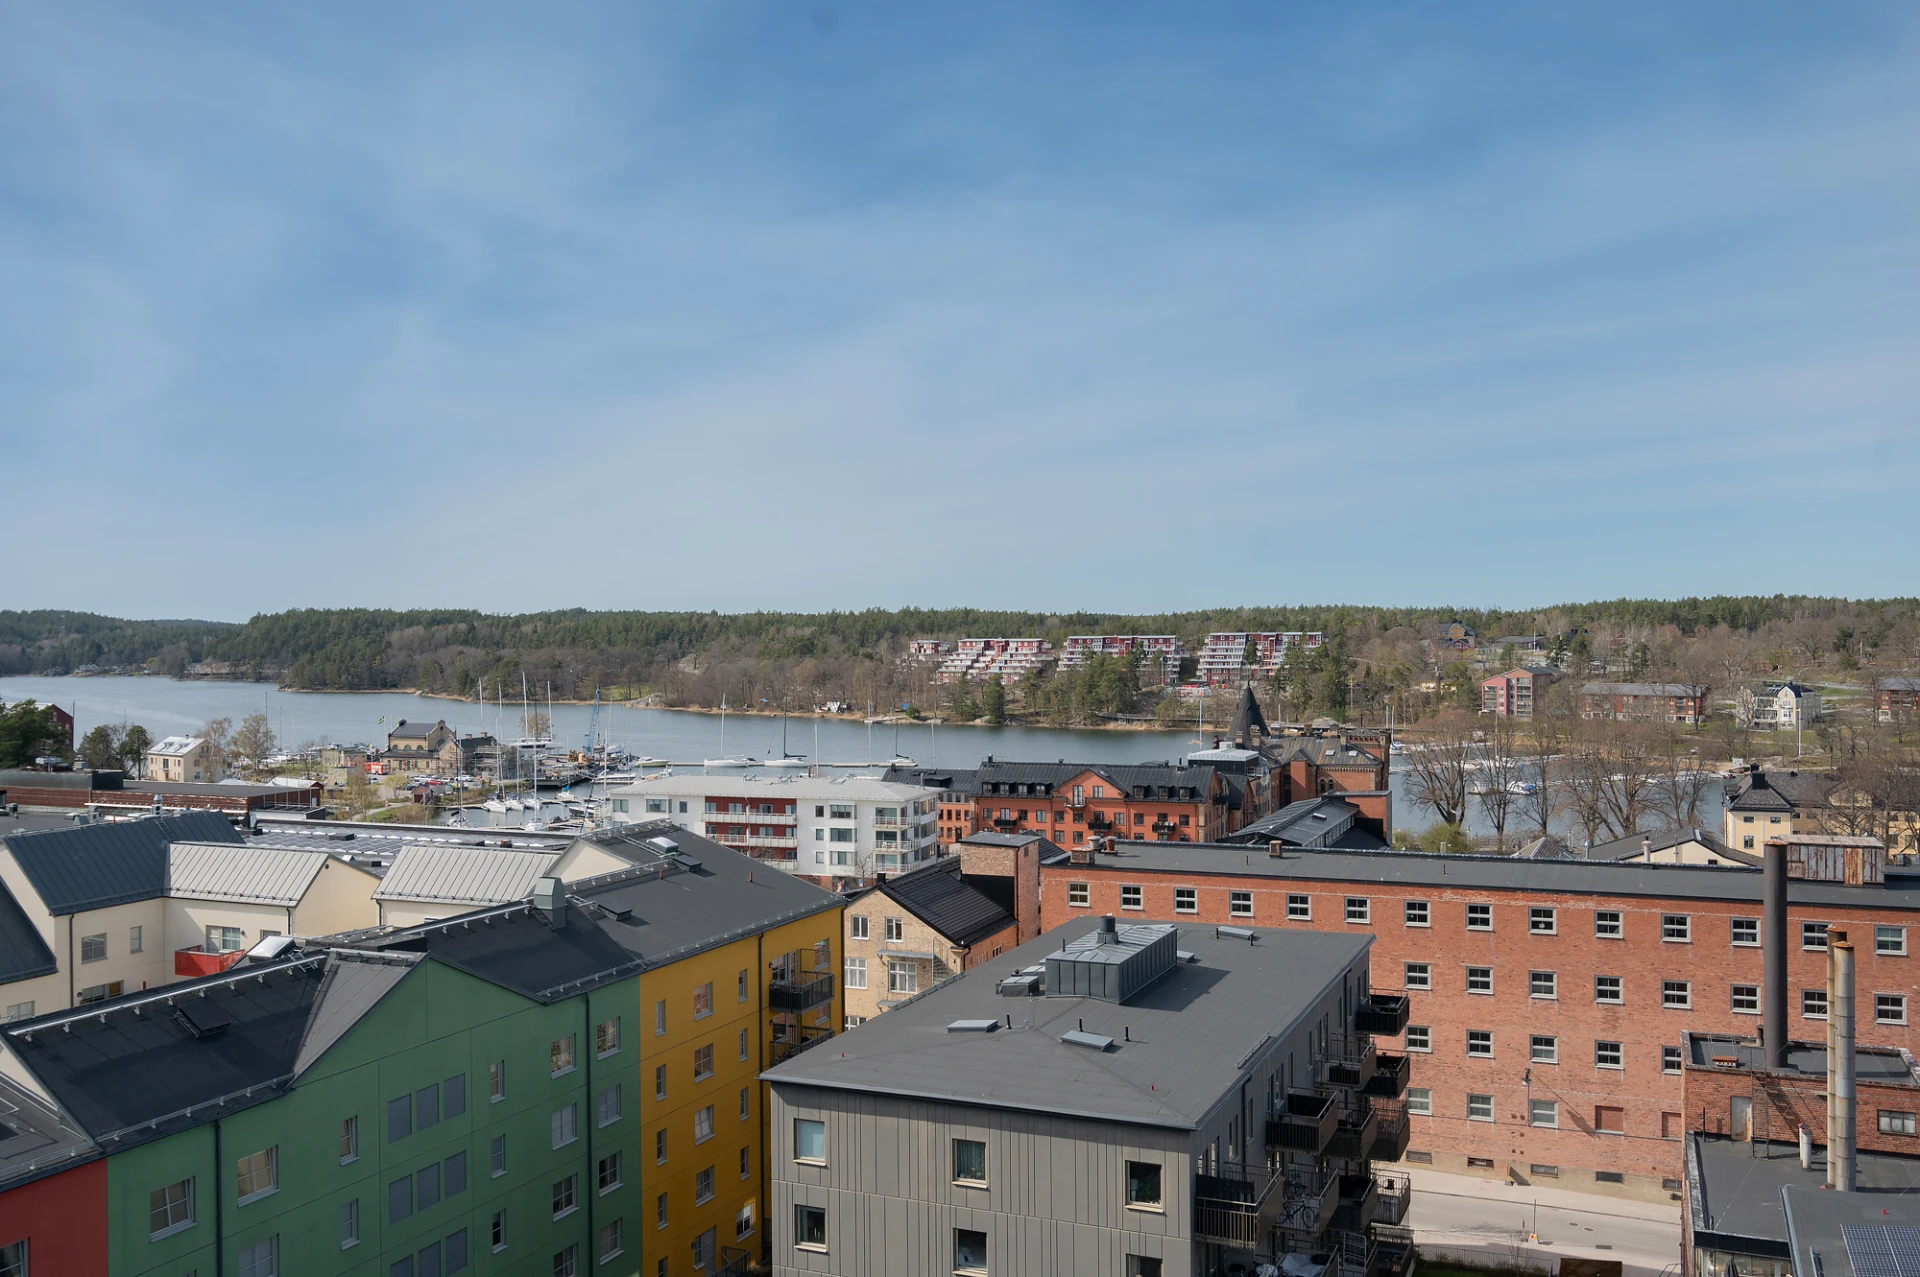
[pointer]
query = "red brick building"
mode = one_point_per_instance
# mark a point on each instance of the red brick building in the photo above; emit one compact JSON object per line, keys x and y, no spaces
{"x":1516,"y":693}
{"x":1550,"y":999}
{"x":1644,"y":702}
{"x":1897,"y":695}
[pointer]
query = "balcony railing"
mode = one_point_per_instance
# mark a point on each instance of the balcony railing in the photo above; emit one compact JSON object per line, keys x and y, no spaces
{"x":1353,"y":1137}
{"x":1389,"y":1080}
{"x":1099,"y":822}
{"x":1396,"y":1193}
{"x":800,"y":992}
{"x":1382,"y":1013}
{"x":199,"y":961}
{"x":1307,"y":1200}
{"x":801,"y":1038}
{"x":1358,"y":1197}
{"x":781,"y":843}
{"x":1232,"y":1209}
{"x":1303,"y":1122}
{"x":892,"y":822}
{"x":1390,"y":1133}
{"x":1350,"y":1061}
{"x":734,"y":1262}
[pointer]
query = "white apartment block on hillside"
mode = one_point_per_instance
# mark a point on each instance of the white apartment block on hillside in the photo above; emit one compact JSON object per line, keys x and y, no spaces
{"x":821,"y":827}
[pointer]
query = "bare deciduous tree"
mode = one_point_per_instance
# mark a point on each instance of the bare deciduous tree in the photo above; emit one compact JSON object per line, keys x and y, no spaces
{"x":1437,"y":768}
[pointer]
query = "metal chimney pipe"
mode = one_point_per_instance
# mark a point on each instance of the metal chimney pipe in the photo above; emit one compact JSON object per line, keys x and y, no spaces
{"x":1773,"y":930}
{"x":1840,"y":1098}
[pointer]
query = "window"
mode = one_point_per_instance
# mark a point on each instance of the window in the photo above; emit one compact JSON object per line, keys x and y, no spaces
{"x":19,"y":1011}
{"x":560,"y":1055}
{"x":13,"y":1259}
{"x":896,"y":929}
{"x":565,"y":1126}
{"x":660,"y":1211}
{"x":499,"y":1231}
{"x":969,"y":1250}
{"x":1419,"y":1038}
{"x":1606,"y":988}
{"x":703,"y":1186}
{"x":1130,"y":897}
{"x":1746,"y":999}
{"x":1669,"y":1059}
{"x":1299,"y":908}
{"x":703,"y":1062}
{"x":809,"y":1228}
{"x":1187,"y":900}
{"x":262,"y":1259}
{"x":607,"y":1106}
{"x":1240,"y":904}
{"x":1479,"y":1108}
{"x":1479,"y":979}
{"x":970,"y":1161}
{"x":1143,"y":1184}
{"x":1606,"y":924}
{"x":903,"y":976}
{"x":606,"y":1038}
{"x":1744,"y":931}
{"x":703,"y":1125}
{"x":743,"y":1222}
{"x":563,"y":1196}
{"x":1543,"y":1172}
{"x":1416,"y":913}
{"x":1143,"y":1266}
{"x":1480,"y":1042}
{"x":1479,"y":917}
{"x":566,"y":1263}
{"x":399,"y":1199}
{"x":350,"y":1224}
{"x":1890,"y":940}
{"x":743,"y":1032}
{"x":1540,"y":921}
{"x":1606,"y":1055}
{"x":99,"y":992}
{"x":496,"y":1081}
{"x":857,"y":927}
{"x":659,"y":1081}
{"x":426,"y":1106}
{"x":134,"y":944}
{"x":1893,"y":1122}
{"x":1889,"y":1008}
{"x":1676,"y":928}
{"x":257,"y":1174}
{"x":1544,"y":1050}
{"x":1542,"y":984}
{"x":225,"y":939}
{"x":660,"y":1146}
{"x":453,"y":1096}
{"x":703,"y":1001}
{"x":1420,"y":1101}
{"x":746,"y":1105}
{"x":1813,"y":1004}
{"x":1419,"y":976}
{"x":1077,"y":895}
{"x":93,"y":948}
{"x":426,"y":1187}
{"x":1677,"y":994}
{"x":170,"y":1209}
{"x":1543,"y":1113}
{"x":745,"y":1162}
{"x":1359,"y":909}
{"x":1813,"y":935}
{"x":454,"y":1173}
{"x":659,"y":1017}
{"x":610,"y":1246}
{"x":349,"y":1138}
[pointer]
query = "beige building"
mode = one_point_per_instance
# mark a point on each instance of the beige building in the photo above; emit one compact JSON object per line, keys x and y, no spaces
{"x":186,"y":758}
{"x":907,"y":934}
{"x":1673,"y":847}
{"x":415,"y":748}
{"x":429,"y":881}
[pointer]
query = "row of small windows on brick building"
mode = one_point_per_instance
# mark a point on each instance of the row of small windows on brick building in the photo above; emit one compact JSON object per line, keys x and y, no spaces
{"x":1609,"y":990}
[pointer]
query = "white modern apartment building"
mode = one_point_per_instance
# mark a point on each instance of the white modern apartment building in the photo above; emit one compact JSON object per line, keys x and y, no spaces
{"x":815,"y":826}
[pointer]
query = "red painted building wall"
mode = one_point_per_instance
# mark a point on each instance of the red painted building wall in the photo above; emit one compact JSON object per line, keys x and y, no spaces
{"x":63,"y":1219}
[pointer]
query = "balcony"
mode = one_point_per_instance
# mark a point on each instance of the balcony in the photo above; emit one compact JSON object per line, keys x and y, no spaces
{"x":1353,"y":1137}
{"x":892,"y":822}
{"x":1350,"y":1061}
{"x":198,"y":961}
{"x":800,"y":992}
{"x":1165,"y":827}
{"x":1389,"y":1080}
{"x":1389,"y":1134}
{"x":1308,"y":1199}
{"x":1099,"y":822}
{"x":1359,"y":1195}
{"x":1396,"y":1192}
{"x":1231,"y":1210}
{"x":757,"y":842}
{"x":1006,"y":824}
{"x":734,"y":1262}
{"x":803,"y":1037}
{"x":1382,"y":1013}
{"x":1302,"y":1122}
{"x":774,"y":853}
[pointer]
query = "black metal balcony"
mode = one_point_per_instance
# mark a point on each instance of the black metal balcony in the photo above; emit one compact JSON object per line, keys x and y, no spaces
{"x":1382,"y":1013}
{"x":1233,"y":1210}
{"x":800,"y":992}
{"x":1396,"y":1193}
{"x":1005,"y":823}
{"x":734,"y":1262}
{"x":1390,"y":1133}
{"x":1303,"y":1122}
{"x":1308,"y":1199}
{"x":1099,"y":822}
{"x":1164,"y":827}
{"x":1359,"y":1194}
{"x":1353,"y":1137}
{"x":797,"y":1039}
{"x":1389,"y":1080}
{"x":1350,"y":1061}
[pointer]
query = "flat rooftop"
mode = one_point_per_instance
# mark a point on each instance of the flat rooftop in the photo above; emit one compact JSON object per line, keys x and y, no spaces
{"x":1848,"y":1235}
{"x":1178,"y":1044}
{"x":1734,"y":1194}
{"x":1870,"y":1063}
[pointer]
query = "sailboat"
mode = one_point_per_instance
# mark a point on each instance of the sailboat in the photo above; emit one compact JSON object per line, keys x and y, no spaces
{"x":723,"y":760}
{"x":785,"y":759}
{"x":899,"y":759}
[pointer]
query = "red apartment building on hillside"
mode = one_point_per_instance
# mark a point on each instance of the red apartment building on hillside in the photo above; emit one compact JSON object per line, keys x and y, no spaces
{"x":1515,"y":693}
{"x":1643,"y":702}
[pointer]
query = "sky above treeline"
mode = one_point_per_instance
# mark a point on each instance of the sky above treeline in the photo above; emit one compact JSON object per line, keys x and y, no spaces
{"x":803,"y":306}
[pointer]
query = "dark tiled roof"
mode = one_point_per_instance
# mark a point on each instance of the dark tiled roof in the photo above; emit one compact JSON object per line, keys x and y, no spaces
{"x":938,"y":896}
{"x":23,"y":950}
{"x":1050,"y":851}
{"x":93,"y":866}
{"x":1640,"y":689}
{"x":414,"y":731}
{"x":1899,"y":685}
{"x":1663,"y":839}
{"x":1777,"y":791}
{"x":1125,"y":777}
{"x":1247,"y":716}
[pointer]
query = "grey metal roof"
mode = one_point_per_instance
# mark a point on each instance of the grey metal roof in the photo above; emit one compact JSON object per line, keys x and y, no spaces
{"x":937,"y":895}
{"x":36,"y":1139}
{"x":1311,"y":822}
{"x":256,"y":875}
{"x":354,"y":984}
{"x":1777,"y":790}
{"x":1899,"y":685}
{"x":23,"y":950}
{"x":1640,"y":689}
{"x":1870,"y":1063}
{"x":1050,"y":851}
{"x":1177,"y":1043}
{"x":1665,"y":839}
{"x":1735,"y":1190}
{"x":462,"y":875}
{"x":113,"y":863}
{"x":1545,"y":847}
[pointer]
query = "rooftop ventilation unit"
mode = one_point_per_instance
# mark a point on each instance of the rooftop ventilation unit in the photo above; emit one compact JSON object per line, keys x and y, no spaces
{"x":1112,"y":963}
{"x":1092,"y":1041}
{"x":204,"y":1019}
{"x":667,"y":845}
{"x":1020,"y":986}
{"x":686,"y":862}
{"x":1236,"y":933}
{"x":973,"y":1026}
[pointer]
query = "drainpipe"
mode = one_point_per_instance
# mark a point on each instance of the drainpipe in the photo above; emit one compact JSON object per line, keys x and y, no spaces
{"x":219,"y":1228}
{"x":1840,"y":1097}
{"x":70,"y":984}
{"x":1773,"y":1003}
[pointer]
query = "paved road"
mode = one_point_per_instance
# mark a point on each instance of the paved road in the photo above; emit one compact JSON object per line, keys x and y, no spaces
{"x":1489,"y":1221}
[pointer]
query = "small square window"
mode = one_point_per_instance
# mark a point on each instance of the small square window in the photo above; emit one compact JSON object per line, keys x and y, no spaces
{"x":1186,"y":900}
{"x":969,"y":1250}
{"x":1540,"y":921}
{"x":1299,"y":908}
{"x":1240,"y":904}
{"x":1544,"y":1050}
{"x":1542,"y":984}
{"x":1359,"y":910}
{"x":1480,"y":1042}
{"x":1479,"y":979}
{"x":1889,"y":1008}
{"x":1131,"y":897}
{"x":1417,"y":913}
{"x":1143,"y":1184}
{"x":1676,"y":928}
{"x":1669,"y":1059}
{"x":1420,"y":1101}
{"x":1078,"y":895}
{"x":1543,"y":1113}
{"x":1745,"y":932}
{"x":1746,"y":999}
{"x":1891,"y":941}
{"x":1607,"y":925}
{"x":809,"y":1140}
{"x":970,"y":1161}
{"x":809,"y":1228}
{"x":1419,"y":976}
{"x":1676,"y":994}
{"x":1419,"y":1038}
{"x":1606,"y":988}
{"x":1479,"y":1108}
{"x":1813,"y":1004}
{"x":1479,"y":917}
{"x":1606,"y":1055}
{"x":1813,"y":936}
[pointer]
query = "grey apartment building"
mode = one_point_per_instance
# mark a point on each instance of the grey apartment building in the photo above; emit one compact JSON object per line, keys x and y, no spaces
{"x":1142,"y":1101}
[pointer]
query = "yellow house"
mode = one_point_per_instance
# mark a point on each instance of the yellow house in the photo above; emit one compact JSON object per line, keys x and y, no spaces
{"x":188,"y":759}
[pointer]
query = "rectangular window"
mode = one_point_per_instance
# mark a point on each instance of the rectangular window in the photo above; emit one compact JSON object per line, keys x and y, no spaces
{"x":1669,"y":1059}
{"x":1240,"y":904}
{"x":134,"y":943}
{"x":856,"y":973}
{"x":563,"y":1196}
{"x":660,"y":1211}
{"x":19,"y":1011}
{"x":609,"y":1173}
{"x":1299,"y":908}
{"x":1606,"y":988}
{"x":703,"y":1062}
{"x":969,"y":1250}
{"x":660,"y":1146}
{"x":703,"y":1125}
{"x":1894,"y":1122}
{"x":1130,"y":897}
{"x":903,"y":976}
{"x":1891,"y":941}
{"x":499,"y":1231}
{"x":565,"y":1124}
{"x":1187,"y":900}
{"x":659,"y":1017}
{"x":1543,"y":1113}
{"x":349,"y":1138}
{"x":453,"y":1096}
{"x":257,"y":1174}
{"x":1359,"y":910}
{"x":703,"y":1001}
{"x":225,"y":939}
{"x":560,"y":1055}
{"x":857,"y":927}
{"x":1744,"y":932}
{"x":1419,"y":976}
{"x":1542,"y":984}
{"x":1813,"y":1004}
{"x":426,"y":1187}
{"x":809,"y":1228}
{"x":457,"y":1250}
{"x":608,"y":1105}
{"x":170,"y":1209}
{"x":970,"y":1161}
{"x":1479,"y":1108}
{"x":1479,"y":979}
{"x":426,"y":1106}
{"x":1677,"y":994}
{"x":745,"y":1161}
{"x":399,"y":1199}
{"x":1416,"y":913}
{"x":1607,"y":924}
{"x":703,"y":1186}
{"x":1889,"y":1008}
{"x":743,"y":1032}
{"x":350,"y":1224}
{"x":1480,"y":1042}
{"x":497,"y":1154}
{"x":1544,"y":1050}
{"x":610,"y":1245}
{"x":1540,"y":921}
{"x":1077,"y":895}
{"x":1143,"y":1184}
{"x":1676,"y":928}
{"x":1419,"y":1038}
{"x":659,"y":1081}
{"x":1420,"y":1101}
{"x":743,"y":1222}
{"x":606,"y":1038}
{"x":1746,"y":999}
{"x":261,"y":1259}
{"x":93,"y":948}
{"x":454,"y":1174}
{"x":1479,"y":917}
{"x":496,"y":1081}
{"x":1813,"y":935}
{"x":1606,"y":1055}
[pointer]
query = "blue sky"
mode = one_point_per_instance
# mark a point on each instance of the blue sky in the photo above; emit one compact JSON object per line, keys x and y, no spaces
{"x":807,"y":306}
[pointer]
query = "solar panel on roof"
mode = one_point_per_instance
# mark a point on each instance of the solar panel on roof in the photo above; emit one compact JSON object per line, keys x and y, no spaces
{"x":1882,"y":1250}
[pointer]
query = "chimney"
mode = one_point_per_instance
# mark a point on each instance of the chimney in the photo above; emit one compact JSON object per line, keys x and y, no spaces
{"x":1646,"y":847}
{"x":1082,"y":855}
{"x":1840,"y":1099}
{"x":1773,"y":936}
{"x":1275,"y":848}
{"x":550,"y":898}
{"x":1109,"y":931}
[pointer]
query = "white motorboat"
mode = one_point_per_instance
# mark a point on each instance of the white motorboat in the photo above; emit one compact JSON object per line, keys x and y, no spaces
{"x":727,"y":762}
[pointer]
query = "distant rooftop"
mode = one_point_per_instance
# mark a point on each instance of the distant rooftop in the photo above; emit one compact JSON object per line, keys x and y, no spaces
{"x":1870,"y":1063}
{"x":1737,"y":1192}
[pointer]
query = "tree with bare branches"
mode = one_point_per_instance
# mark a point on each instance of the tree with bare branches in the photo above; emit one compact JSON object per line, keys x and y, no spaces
{"x":1437,"y":768}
